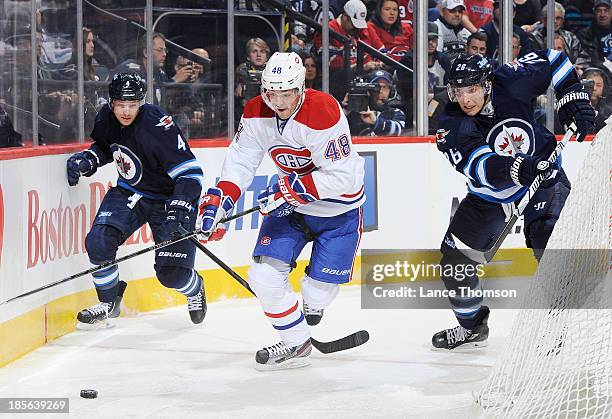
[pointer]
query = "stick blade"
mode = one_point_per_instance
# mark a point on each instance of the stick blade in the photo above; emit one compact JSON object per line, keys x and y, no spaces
{"x":348,"y":342}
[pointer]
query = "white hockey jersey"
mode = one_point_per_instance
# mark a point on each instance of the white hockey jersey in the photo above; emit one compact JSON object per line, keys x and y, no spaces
{"x":314,"y":142}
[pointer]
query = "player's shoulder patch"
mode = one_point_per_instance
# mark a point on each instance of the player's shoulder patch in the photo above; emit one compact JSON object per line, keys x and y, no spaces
{"x":256,"y":108}
{"x":319,"y":111}
{"x":157,"y":117}
{"x":454,"y":129}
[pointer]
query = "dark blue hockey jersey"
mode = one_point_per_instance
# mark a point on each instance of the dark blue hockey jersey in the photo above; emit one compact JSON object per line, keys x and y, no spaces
{"x":151,"y":155}
{"x":481,"y":147}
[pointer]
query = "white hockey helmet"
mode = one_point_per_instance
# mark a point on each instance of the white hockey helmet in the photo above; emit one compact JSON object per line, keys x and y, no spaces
{"x":284,"y":71}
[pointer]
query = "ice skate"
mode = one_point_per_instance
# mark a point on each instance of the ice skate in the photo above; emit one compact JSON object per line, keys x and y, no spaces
{"x":197,"y":305}
{"x":98,"y":315}
{"x":280,"y":356}
{"x":313,"y":316}
{"x":459,"y":338}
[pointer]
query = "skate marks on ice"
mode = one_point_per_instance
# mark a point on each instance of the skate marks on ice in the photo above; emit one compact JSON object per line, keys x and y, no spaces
{"x":160,"y":365}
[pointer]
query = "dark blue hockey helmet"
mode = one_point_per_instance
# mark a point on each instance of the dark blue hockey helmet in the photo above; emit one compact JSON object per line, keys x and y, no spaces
{"x":127,"y":86}
{"x":468,"y":70}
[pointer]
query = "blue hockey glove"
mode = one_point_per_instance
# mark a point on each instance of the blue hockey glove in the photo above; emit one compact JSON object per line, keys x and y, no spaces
{"x":178,"y":218}
{"x":214,"y":207}
{"x":83,"y":163}
{"x":282,"y":198}
{"x":526,"y":168}
{"x":575,"y":106}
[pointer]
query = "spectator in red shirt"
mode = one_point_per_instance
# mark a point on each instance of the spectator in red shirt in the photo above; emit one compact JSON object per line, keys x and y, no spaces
{"x":394,"y":34}
{"x":351,"y":23}
{"x":477,"y":14}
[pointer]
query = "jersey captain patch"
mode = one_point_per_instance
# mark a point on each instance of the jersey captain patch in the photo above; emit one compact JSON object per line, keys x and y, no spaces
{"x":509,"y":134}
{"x":128,"y":164}
{"x":290,"y":159}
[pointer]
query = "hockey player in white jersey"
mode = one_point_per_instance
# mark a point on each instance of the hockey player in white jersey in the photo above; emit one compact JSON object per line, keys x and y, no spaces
{"x":318,"y":198}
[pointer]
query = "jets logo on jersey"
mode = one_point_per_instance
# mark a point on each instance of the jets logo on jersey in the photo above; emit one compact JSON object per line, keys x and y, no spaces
{"x":166,"y":122}
{"x":511,"y":135}
{"x":440,"y":136}
{"x":128,"y":164}
{"x":289,"y":159}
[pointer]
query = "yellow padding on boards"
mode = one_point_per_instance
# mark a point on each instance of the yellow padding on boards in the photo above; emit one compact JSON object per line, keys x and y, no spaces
{"x":33,"y":329}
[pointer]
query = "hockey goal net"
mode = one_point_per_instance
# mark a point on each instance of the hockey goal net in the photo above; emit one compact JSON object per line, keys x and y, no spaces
{"x":557,"y":362}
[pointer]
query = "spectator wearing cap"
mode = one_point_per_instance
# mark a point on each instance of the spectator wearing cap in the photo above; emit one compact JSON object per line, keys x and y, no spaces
{"x":492,"y":31}
{"x":477,"y":14}
{"x":383,"y":117}
{"x":352,"y":24}
{"x":394,"y":34}
{"x":571,"y":47}
{"x":452,"y":36}
{"x":597,"y":39}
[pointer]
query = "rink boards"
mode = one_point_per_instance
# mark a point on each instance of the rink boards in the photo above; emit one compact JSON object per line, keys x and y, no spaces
{"x":411,"y":191}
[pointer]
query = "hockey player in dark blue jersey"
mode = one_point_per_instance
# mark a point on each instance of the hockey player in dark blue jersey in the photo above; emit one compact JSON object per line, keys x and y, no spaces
{"x":159,"y":183}
{"x":488,"y":133}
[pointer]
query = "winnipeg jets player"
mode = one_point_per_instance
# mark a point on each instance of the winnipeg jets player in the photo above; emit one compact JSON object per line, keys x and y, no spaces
{"x":489,"y":135}
{"x":317,"y":198}
{"x":159,"y":183}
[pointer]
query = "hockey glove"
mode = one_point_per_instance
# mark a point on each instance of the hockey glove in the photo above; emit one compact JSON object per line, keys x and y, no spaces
{"x":214,"y":207}
{"x":282,"y":198}
{"x":178,"y":218}
{"x":575,"y":106}
{"x":83,"y":163}
{"x":525,"y":169}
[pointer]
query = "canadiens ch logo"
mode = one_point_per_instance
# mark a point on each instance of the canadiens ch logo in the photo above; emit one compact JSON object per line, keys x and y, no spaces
{"x":290,"y":159}
{"x":128,"y":164}
{"x":511,"y":135}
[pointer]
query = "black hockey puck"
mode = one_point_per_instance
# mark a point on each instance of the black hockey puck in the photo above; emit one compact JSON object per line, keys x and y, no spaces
{"x":89,"y":394}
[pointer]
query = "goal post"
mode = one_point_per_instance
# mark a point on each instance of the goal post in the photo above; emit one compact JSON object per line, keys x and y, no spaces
{"x":557,"y":361}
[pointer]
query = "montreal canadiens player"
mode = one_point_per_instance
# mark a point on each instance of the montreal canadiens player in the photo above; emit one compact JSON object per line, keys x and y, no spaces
{"x":317,"y":197}
{"x":488,"y":134}
{"x":159,"y":183}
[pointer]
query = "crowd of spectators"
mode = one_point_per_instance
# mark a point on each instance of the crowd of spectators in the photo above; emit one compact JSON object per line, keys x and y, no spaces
{"x":582,"y":29}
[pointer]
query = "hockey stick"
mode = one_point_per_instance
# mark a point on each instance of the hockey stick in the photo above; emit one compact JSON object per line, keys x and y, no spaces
{"x":348,"y":342}
{"x":187,"y":235}
{"x":486,"y":255}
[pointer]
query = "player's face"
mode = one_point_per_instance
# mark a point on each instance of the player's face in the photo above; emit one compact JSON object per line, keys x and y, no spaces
{"x":126,"y":111}
{"x":284,"y":101}
{"x":388,"y":12}
{"x":470,"y":98}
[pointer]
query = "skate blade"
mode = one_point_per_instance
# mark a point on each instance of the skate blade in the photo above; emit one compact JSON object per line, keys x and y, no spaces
{"x":466,"y":347}
{"x":101,"y":325}
{"x":287,"y":365}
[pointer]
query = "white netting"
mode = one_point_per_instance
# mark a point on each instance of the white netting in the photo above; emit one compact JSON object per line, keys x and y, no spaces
{"x":557,"y":362}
